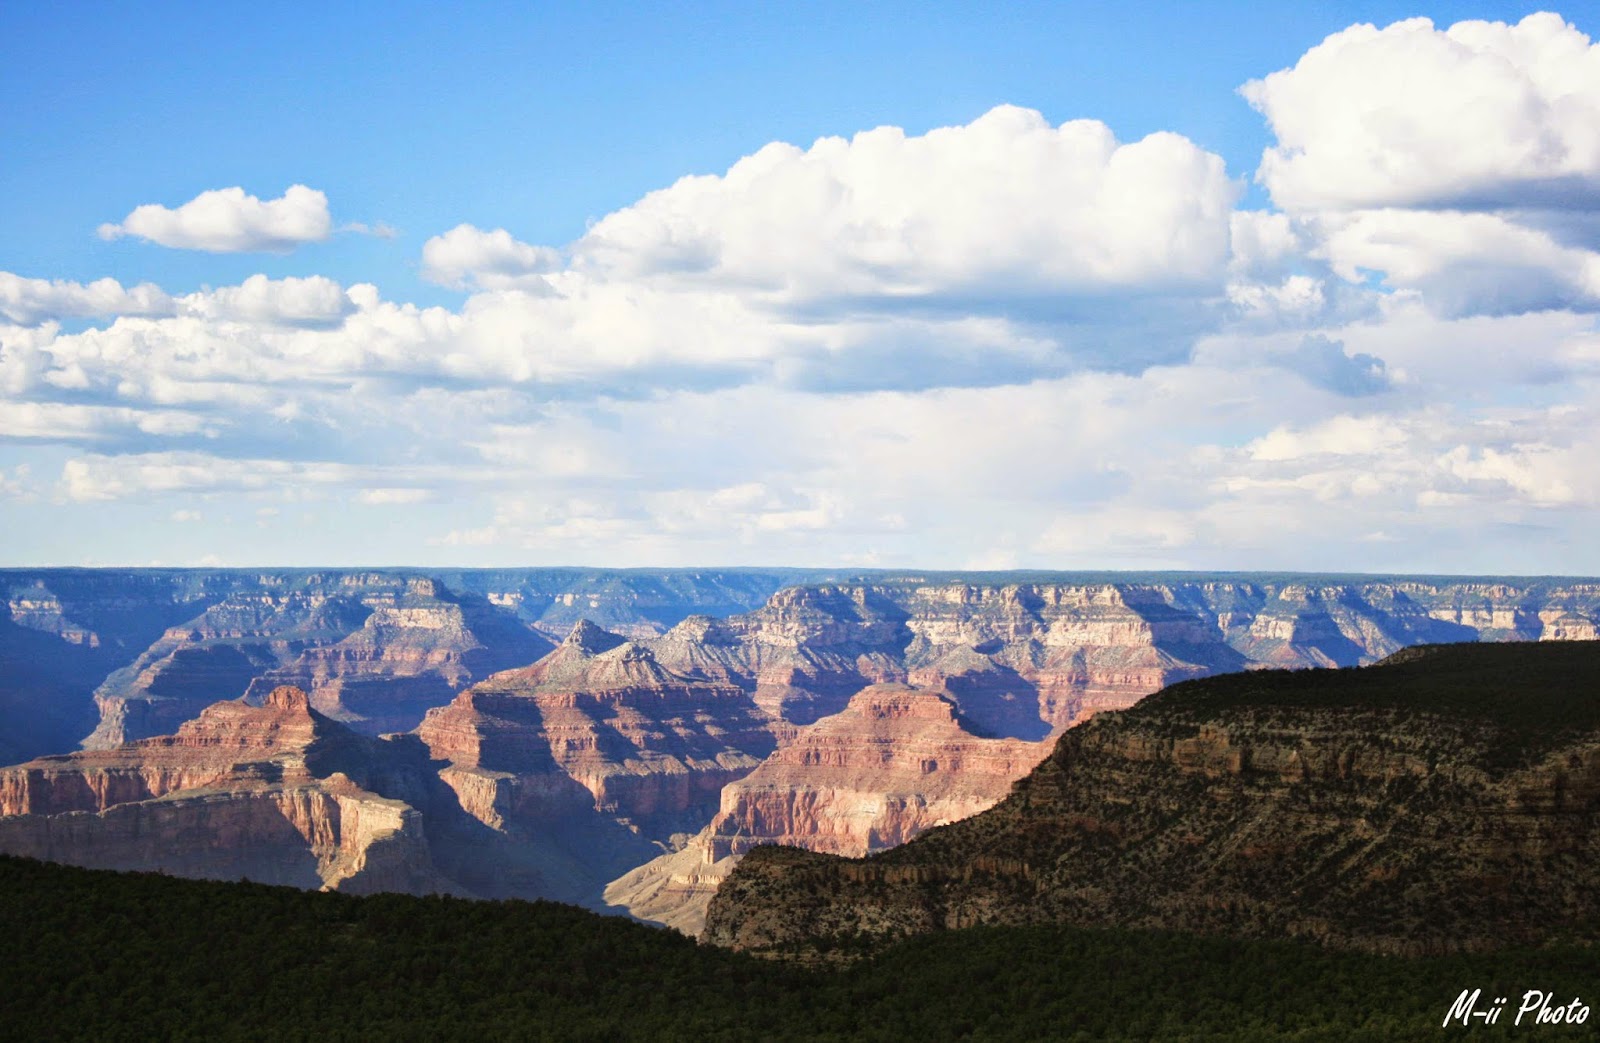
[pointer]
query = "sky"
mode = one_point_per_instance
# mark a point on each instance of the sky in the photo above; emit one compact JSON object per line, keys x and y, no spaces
{"x":1082,"y":286}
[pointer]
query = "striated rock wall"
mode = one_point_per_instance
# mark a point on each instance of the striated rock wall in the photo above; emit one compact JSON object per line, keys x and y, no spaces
{"x":1027,"y":660}
{"x":264,"y":792}
{"x":895,"y":762}
{"x":647,"y":747}
{"x":1447,"y":800}
{"x":374,"y":651}
{"x":1026,"y":656}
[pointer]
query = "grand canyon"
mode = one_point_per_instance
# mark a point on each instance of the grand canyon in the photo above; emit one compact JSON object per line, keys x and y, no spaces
{"x":621,"y":739}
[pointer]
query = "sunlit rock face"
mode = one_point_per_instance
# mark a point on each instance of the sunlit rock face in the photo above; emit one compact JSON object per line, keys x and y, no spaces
{"x":896,"y":761}
{"x":712,"y":710}
{"x":598,"y":725}
{"x":277,"y":793}
{"x":1448,"y":799}
{"x":373,"y":650}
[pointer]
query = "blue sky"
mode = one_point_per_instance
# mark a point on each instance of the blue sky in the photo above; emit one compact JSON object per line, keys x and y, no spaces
{"x":1035,"y":355}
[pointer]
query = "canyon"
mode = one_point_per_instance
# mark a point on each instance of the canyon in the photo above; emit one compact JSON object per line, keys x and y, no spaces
{"x":277,"y":793}
{"x":622,"y":739}
{"x":1446,"y":799}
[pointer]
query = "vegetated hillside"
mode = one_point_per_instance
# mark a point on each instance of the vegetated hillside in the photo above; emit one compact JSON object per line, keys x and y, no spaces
{"x":97,"y":955}
{"x":1447,"y":800}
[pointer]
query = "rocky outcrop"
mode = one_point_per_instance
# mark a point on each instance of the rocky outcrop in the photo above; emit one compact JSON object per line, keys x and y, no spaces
{"x":130,"y":654}
{"x":61,"y":633}
{"x":1026,"y":658}
{"x":599,"y":726}
{"x":1029,"y":659}
{"x":894,"y":762}
{"x":277,"y":793}
{"x":1446,"y":800}
{"x":373,"y":651}
{"x":612,"y":749}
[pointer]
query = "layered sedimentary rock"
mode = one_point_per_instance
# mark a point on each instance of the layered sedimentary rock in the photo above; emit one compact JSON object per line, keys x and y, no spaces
{"x":1029,"y":659}
{"x":1448,"y":799}
{"x":372,"y":650}
{"x":68,"y":634}
{"x":619,"y":753}
{"x":894,"y":762}
{"x":597,"y":727}
{"x":61,"y":633}
{"x":278,"y":793}
{"x":1026,"y":659}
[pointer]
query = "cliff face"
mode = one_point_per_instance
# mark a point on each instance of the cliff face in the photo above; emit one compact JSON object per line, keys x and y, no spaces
{"x":616,"y":747}
{"x":61,"y":633}
{"x":276,"y":792}
{"x":1443,"y":801}
{"x":893,"y":763}
{"x":373,"y":650}
{"x":598,"y":727}
{"x":1029,"y":660}
{"x":378,"y":648}
{"x":372,"y":646}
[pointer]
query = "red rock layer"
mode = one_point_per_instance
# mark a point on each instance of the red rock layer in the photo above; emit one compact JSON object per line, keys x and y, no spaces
{"x":648,"y":746}
{"x":241,"y":791}
{"x":895,"y":762}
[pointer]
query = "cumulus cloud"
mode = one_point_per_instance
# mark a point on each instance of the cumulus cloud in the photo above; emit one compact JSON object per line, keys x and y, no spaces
{"x":1480,"y":114}
{"x":394,"y":497}
{"x":16,"y":484}
{"x":228,"y":220}
{"x":1341,"y":435}
{"x":1006,"y":342}
{"x":1006,"y":205}
{"x":1463,"y":263}
{"x":1463,"y":163}
{"x":1324,"y":363}
{"x":64,"y":422}
{"x":30,"y":302}
{"x":315,"y":301}
{"x":470,"y":258}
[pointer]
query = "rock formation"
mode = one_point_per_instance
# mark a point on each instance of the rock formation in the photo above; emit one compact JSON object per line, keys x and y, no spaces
{"x":278,"y":793}
{"x":1448,"y":799}
{"x":894,"y":762}
{"x":1027,"y":660}
{"x":372,"y":652}
{"x":597,"y":728}
{"x":612,"y":749}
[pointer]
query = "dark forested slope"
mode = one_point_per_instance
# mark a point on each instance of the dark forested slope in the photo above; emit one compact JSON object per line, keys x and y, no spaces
{"x":111,"y":956}
{"x":1448,"y":799}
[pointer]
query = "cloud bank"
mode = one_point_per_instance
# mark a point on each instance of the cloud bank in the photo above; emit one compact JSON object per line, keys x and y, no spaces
{"x":1003,"y":343}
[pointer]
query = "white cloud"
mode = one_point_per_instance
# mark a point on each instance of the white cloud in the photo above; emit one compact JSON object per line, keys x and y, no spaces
{"x":16,"y":485}
{"x":30,"y":302}
{"x":95,"y":478}
{"x":184,"y":516}
{"x":1005,"y":205}
{"x":1005,"y":342}
{"x":1463,"y":263}
{"x":1454,"y":162}
{"x":394,"y":497}
{"x":1337,"y":436}
{"x":312,"y":301}
{"x":470,"y":258}
{"x":1298,"y":299}
{"x":1482,"y":113}
{"x":227,"y":220}
{"x":64,"y":422}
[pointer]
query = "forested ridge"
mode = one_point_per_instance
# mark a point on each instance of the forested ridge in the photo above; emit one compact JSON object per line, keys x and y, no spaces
{"x":111,"y":956}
